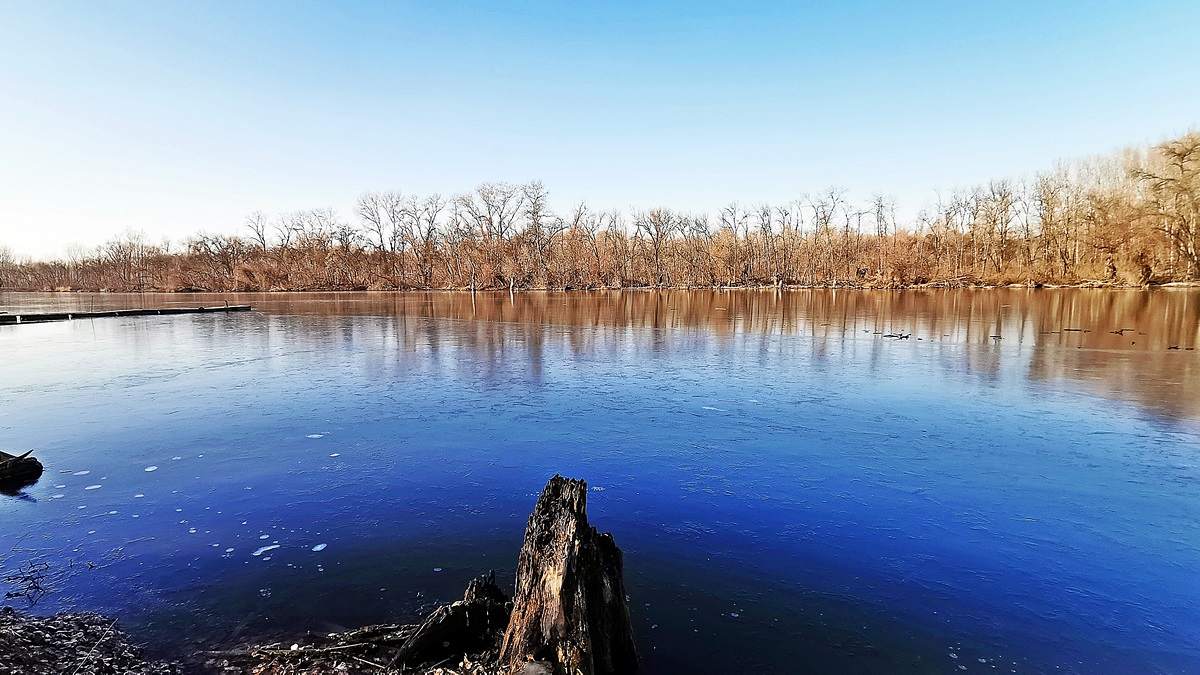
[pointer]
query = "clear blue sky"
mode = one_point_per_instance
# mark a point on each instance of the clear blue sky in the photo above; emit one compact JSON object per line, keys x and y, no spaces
{"x":177,"y":117}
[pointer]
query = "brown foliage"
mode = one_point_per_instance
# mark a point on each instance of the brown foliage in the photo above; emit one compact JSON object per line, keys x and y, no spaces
{"x":1131,"y":219}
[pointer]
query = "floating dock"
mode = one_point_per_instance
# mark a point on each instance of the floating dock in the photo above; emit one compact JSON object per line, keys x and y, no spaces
{"x":10,"y":319}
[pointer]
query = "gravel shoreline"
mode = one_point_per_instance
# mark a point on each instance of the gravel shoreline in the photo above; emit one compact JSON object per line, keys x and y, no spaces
{"x":76,"y":643}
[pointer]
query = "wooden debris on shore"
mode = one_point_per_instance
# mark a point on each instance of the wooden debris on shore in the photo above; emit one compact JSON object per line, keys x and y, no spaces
{"x":469,"y":626}
{"x":569,"y":616}
{"x":18,"y":471}
{"x":465,"y":629}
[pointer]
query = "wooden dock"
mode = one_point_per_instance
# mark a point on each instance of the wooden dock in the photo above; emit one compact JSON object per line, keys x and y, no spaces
{"x":10,"y":319}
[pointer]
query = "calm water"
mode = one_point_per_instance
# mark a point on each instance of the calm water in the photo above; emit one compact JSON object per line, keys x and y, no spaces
{"x":794,"y":491}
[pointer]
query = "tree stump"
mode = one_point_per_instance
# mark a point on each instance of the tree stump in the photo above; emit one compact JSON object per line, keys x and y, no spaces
{"x":569,"y":608}
{"x":17,"y":473}
{"x":471,"y":624}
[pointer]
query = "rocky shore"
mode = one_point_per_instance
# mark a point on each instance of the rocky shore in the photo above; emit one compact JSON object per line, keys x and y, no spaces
{"x":70,"y":643}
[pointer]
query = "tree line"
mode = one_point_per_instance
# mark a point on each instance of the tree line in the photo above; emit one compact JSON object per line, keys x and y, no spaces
{"x":1131,"y":218}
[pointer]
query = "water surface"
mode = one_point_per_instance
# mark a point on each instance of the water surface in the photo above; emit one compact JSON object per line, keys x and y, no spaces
{"x":1013,"y":487}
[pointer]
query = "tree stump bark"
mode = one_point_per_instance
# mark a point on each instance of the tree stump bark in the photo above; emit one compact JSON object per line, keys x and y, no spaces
{"x":569,"y":607}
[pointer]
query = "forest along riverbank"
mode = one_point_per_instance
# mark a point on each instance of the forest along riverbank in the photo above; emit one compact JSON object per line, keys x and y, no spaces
{"x":568,"y":615}
{"x":1129,"y":218}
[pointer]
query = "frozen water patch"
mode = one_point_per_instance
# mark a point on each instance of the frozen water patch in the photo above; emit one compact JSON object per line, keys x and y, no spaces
{"x":93,"y":487}
{"x":264,"y":549}
{"x":151,"y":468}
{"x":318,"y":548}
{"x":336,"y":454}
{"x":316,"y":435}
{"x":81,"y":473}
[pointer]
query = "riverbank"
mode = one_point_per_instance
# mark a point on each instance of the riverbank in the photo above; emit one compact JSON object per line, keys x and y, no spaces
{"x":578,"y":623}
{"x":840,"y":285}
{"x":71,"y":643}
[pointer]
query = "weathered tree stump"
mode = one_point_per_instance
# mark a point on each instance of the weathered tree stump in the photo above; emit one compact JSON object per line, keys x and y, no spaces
{"x":569,"y":609}
{"x":469,"y":625}
{"x":17,"y":472}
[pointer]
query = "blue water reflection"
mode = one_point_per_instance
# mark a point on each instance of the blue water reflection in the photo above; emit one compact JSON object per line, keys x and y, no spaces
{"x":803,"y":500}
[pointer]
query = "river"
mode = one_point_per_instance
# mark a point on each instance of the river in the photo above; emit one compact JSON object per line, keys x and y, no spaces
{"x":1002,"y":480}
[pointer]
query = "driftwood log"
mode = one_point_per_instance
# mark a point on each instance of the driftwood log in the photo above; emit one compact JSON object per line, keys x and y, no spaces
{"x":569,"y":607}
{"x":465,"y":631}
{"x":19,"y":471}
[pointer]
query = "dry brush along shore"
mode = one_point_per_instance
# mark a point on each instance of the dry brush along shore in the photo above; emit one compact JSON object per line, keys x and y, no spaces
{"x":568,"y":616}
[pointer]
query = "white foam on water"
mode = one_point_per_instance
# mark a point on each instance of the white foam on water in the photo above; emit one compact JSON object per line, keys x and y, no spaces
{"x":709,"y":407}
{"x":139,"y":496}
{"x":229,"y":550}
{"x":81,"y":473}
{"x":316,"y":435}
{"x":93,"y":487}
{"x":437,"y":569}
{"x":59,"y":487}
{"x":176,"y":458}
{"x":264,"y":549}
{"x":151,"y":468}
{"x":318,"y":548}
{"x":336,"y":454}
{"x":265,"y":536}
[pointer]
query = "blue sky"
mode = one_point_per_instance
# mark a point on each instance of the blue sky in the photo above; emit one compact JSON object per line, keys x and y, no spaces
{"x":174,"y":118}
